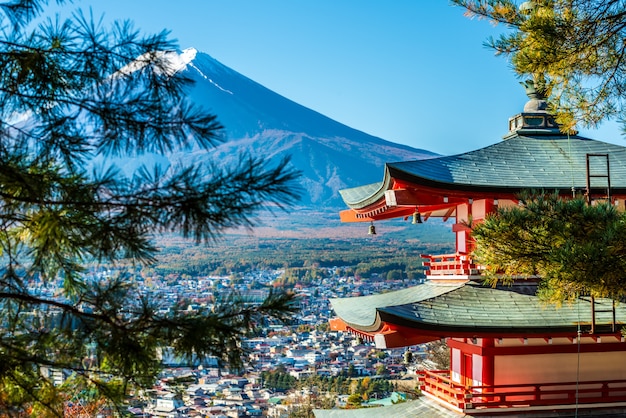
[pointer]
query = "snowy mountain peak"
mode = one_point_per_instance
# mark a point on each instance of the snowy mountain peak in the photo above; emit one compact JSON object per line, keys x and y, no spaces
{"x":169,"y":62}
{"x":180,"y":61}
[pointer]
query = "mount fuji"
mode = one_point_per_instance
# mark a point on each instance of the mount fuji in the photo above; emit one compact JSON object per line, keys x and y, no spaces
{"x":330,"y":155}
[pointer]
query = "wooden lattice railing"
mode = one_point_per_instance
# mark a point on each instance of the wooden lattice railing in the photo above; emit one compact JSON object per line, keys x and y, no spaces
{"x":450,"y":264}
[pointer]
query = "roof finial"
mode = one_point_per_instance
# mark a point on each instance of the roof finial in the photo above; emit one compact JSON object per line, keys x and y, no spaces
{"x":536,"y":92}
{"x":535,"y":89}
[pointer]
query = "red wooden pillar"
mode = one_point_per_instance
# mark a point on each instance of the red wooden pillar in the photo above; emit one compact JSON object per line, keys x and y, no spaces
{"x":488,"y":361}
{"x":467,"y":366}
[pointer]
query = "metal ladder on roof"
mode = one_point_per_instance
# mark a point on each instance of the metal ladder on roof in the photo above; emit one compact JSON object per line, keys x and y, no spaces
{"x":599,"y":171}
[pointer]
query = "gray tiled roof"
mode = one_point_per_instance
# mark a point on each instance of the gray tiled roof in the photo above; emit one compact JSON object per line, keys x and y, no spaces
{"x":424,"y":407}
{"x":473,"y":306}
{"x":421,"y":407}
{"x":361,"y":311}
{"x":542,"y":162}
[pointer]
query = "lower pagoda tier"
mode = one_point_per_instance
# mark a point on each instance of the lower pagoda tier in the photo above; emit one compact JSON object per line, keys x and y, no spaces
{"x":508,"y":348}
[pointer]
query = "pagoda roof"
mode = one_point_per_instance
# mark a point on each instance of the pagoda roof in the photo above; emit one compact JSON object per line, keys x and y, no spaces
{"x":469,"y":308}
{"x":524,"y":160}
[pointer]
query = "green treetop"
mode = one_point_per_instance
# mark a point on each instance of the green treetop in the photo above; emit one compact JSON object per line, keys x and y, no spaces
{"x":574,"y":48}
{"x":572,"y":247}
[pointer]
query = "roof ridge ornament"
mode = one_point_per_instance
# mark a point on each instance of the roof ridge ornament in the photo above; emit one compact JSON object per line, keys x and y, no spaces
{"x":534,"y":89}
{"x":536,"y":92}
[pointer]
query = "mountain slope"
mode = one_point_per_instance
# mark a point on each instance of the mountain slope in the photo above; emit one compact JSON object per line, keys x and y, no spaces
{"x":330,"y":155}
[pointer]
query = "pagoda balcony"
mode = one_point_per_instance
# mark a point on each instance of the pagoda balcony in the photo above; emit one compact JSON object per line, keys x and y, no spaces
{"x":519,"y":397}
{"x":450,"y":265}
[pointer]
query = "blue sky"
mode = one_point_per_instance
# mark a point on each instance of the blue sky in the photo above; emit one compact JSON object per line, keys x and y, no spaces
{"x":414,"y":72}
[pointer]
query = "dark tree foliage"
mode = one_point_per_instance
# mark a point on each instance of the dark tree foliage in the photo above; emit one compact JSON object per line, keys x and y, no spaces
{"x":72,"y":93}
{"x":278,"y":379}
{"x":574,"y":49}
{"x":573,"y":247}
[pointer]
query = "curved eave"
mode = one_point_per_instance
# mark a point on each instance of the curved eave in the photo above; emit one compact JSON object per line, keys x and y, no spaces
{"x":369,"y":194}
{"x":382,"y":212}
{"x":387,"y":335}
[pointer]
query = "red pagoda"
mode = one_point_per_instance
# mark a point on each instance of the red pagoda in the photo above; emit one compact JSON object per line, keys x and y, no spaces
{"x":510,"y":352}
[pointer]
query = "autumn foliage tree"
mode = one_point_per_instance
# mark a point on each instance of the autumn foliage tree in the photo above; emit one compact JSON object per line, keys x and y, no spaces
{"x":74,"y":94}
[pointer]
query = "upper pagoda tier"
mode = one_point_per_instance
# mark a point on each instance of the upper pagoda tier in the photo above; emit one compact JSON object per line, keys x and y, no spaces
{"x":533,"y":155}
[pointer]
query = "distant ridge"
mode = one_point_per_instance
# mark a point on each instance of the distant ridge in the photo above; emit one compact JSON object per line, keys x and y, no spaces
{"x":330,"y":155}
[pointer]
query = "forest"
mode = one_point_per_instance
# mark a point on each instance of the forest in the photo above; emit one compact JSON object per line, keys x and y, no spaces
{"x":302,"y":259}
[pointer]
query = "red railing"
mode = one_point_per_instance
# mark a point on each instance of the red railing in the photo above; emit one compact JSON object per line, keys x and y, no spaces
{"x":449,"y":264}
{"x":439,"y":385}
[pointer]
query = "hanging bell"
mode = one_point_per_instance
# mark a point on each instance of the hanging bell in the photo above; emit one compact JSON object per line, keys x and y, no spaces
{"x":372,"y":229}
{"x":417,"y":218}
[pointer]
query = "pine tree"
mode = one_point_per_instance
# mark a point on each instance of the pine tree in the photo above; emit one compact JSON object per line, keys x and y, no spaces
{"x":574,"y":49}
{"x":73,"y":93}
{"x":573,"y":247}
